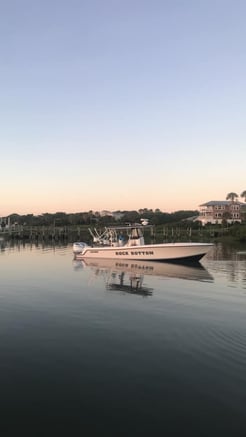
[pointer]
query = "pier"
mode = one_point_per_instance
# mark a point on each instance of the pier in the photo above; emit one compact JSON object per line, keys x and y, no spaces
{"x":73,"y":233}
{"x":45,"y":233}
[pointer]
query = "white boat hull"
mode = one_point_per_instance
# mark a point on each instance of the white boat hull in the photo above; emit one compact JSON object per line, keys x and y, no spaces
{"x":168,"y":252}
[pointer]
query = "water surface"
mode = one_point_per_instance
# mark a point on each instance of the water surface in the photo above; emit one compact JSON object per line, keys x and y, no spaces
{"x":121,"y":350}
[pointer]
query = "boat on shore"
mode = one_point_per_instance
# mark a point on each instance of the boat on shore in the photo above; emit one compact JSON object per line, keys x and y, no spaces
{"x":127,"y":243}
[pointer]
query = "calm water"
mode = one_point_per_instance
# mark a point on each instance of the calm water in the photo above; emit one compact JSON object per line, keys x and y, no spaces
{"x":123,"y":349}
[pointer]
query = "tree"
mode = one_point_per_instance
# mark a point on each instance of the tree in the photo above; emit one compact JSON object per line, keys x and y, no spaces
{"x":231,"y":196}
{"x":243,"y":194}
{"x":226,"y":215}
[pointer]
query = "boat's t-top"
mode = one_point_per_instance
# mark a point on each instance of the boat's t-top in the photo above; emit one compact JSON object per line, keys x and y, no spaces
{"x":130,"y":235}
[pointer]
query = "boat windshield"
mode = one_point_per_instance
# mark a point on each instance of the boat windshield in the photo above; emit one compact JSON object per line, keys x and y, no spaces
{"x":136,"y":233}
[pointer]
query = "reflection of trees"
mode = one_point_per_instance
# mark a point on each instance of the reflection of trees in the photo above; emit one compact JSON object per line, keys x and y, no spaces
{"x":230,"y":262}
{"x":232,"y":272}
{"x":2,"y":245}
{"x":222,"y":252}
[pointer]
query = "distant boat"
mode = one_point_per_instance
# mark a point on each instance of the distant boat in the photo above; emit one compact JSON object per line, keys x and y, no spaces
{"x":127,"y":242}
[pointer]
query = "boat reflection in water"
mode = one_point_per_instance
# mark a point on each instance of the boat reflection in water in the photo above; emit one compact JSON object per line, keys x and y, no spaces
{"x":128,"y":276}
{"x":128,"y":283}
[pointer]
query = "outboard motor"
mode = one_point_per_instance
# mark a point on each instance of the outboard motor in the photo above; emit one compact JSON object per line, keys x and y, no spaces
{"x":78,"y":247}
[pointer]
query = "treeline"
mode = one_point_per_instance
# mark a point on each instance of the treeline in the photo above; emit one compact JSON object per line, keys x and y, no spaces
{"x":155,"y":217}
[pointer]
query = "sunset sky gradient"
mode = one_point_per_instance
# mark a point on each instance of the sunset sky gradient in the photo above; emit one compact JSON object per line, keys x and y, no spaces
{"x":121,"y":104}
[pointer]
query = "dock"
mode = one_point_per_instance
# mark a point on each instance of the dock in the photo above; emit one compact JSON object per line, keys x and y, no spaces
{"x":45,"y":233}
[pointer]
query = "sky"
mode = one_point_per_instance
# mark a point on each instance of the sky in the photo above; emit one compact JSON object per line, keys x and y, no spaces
{"x":121,"y":104}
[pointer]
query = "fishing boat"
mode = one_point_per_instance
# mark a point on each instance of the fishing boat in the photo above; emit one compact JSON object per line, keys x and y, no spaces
{"x":127,"y":242}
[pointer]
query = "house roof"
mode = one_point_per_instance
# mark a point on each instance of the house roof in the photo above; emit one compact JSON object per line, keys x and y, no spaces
{"x":220,"y":203}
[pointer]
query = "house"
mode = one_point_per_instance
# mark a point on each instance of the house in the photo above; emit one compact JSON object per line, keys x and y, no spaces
{"x":218,"y":211}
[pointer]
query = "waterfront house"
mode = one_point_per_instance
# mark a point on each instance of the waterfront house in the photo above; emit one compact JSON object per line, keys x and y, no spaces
{"x":218,"y":211}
